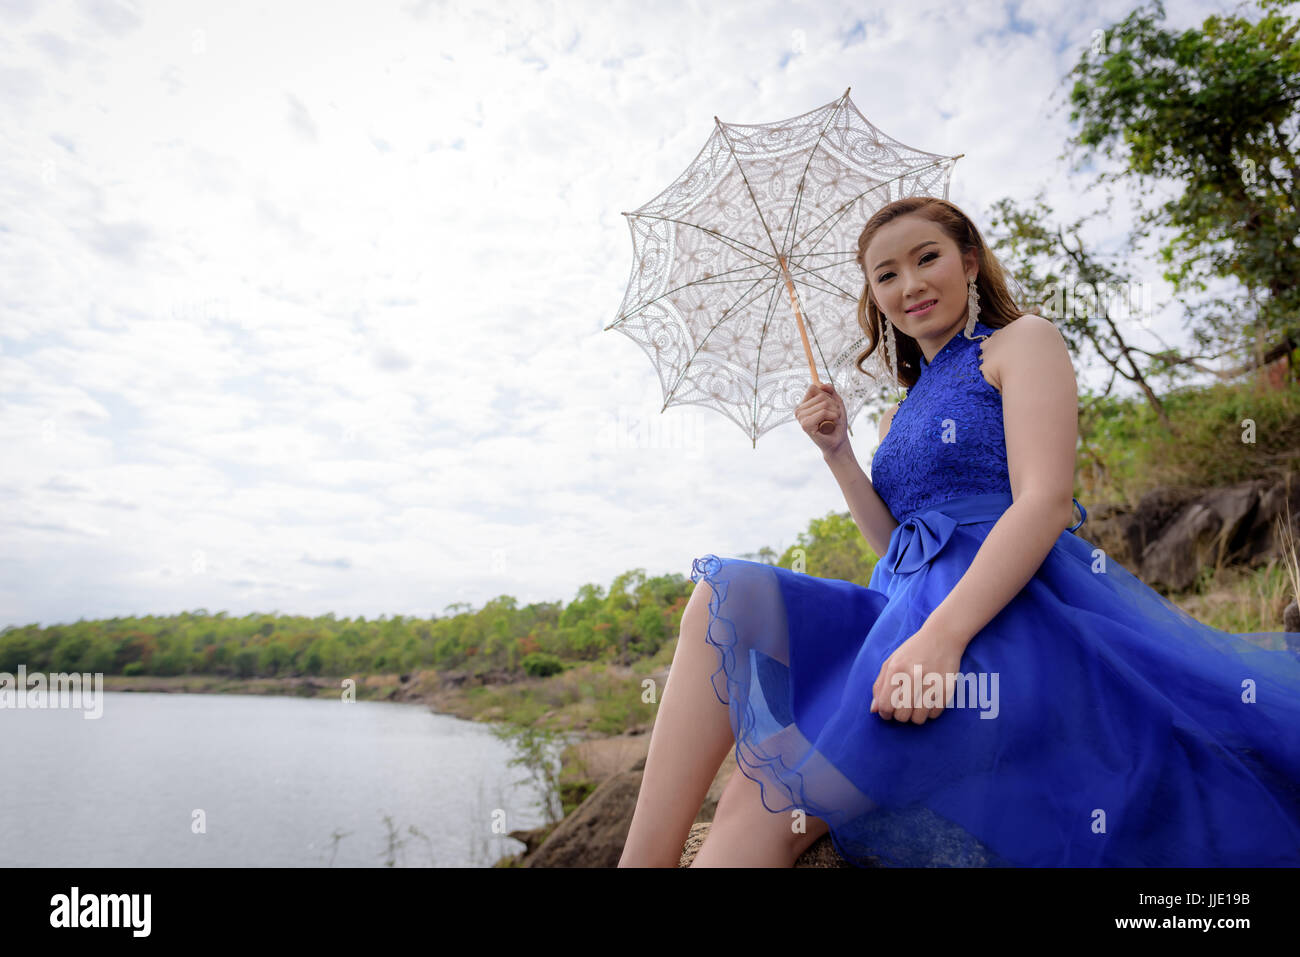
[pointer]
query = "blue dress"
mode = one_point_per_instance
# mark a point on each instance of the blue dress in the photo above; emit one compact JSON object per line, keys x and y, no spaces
{"x":1097,"y":723}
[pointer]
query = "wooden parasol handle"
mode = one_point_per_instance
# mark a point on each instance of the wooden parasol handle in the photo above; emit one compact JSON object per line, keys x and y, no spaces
{"x":826,"y":426}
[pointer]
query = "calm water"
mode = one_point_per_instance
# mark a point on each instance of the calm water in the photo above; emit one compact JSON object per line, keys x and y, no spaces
{"x":276,"y":777}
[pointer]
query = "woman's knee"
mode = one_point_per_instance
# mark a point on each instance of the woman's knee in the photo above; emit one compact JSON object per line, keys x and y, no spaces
{"x":695,"y":615}
{"x":700,"y":594}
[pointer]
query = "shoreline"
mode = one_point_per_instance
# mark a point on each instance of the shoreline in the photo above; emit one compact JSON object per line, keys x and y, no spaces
{"x":386,"y":687}
{"x":445,"y":693}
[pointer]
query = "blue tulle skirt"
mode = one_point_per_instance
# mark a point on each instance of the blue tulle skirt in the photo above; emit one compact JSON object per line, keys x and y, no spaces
{"x":1096,"y":724}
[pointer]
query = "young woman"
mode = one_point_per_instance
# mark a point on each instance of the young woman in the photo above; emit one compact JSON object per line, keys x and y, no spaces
{"x":1002,"y":693}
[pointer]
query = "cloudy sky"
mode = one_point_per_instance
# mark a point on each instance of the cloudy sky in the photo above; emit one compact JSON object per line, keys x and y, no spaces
{"x":303,"y":303}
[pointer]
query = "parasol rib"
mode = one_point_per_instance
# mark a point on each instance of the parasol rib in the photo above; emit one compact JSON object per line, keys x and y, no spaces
{"x":712,"y":329}
{"x":715,"y":281}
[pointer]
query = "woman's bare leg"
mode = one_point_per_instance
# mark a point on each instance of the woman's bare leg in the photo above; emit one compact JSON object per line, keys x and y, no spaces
{"x":689,"y":740}
{"x":745,"y":833}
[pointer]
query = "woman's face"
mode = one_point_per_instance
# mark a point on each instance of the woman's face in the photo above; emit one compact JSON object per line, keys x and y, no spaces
{"x":911,"y":262}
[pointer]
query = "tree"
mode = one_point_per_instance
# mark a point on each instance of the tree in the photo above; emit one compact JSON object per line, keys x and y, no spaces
{"x":650,"y":631}
{"x":335,"y":658}
{"x":1214,"y":112}
{"x":246,"y":662}
{"x":834,"y":548}
{"x":313,"y":660}
{"x":19,"y":647}
{"x":174,"y":656}
{"x":624,"y":591}
{"x":275,"y":657}
{"x":585,"y":604}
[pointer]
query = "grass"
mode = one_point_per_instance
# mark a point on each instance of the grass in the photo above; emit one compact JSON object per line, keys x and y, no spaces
{"x":1240,"y":600}
{"x":1224,"y":434}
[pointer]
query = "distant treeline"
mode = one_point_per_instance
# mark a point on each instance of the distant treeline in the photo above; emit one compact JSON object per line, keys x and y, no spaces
{"x":632,"y":619}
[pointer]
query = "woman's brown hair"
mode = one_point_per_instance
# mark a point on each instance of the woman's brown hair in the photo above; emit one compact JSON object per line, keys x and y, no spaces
{"x":997,"y":307}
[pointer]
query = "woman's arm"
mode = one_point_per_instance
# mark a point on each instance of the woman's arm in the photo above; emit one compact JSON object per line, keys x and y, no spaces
{"x":865,"y":504}
{"x":1040,"y":414}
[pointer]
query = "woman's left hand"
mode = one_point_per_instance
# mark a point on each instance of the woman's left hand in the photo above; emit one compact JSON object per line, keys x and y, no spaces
{"x":938,"y":658}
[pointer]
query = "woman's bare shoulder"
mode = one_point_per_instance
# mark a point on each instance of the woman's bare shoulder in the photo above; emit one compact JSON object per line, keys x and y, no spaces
{"x":1029,"y":332}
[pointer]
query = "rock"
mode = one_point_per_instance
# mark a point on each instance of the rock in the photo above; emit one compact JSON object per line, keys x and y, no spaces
{"x":1275,"y":505}
{"x":822,"y":853}
{"x":1124,"y":533}
{"x":593,"y":834}
{"x":1209,"y":532}
{"x":1175,"y":532}
{"x":532,"y":838}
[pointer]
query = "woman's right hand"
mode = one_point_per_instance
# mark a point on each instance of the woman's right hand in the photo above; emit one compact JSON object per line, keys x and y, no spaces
{"x":822,"y":402}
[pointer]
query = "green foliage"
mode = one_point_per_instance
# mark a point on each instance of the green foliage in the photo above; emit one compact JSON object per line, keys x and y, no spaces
{"x":1210,"y":112}
{"x":541,"y":665}
{"x":1225,"y":434}
{"x":650,"y":632}
{"x":274,"y":658}
{"x":313,"y":660}
{"x":833,"y":547}
{"x":536,"y":750}
{"x":573,"y":793}
{"x":635,"y":617}
{"x":246,"y":660}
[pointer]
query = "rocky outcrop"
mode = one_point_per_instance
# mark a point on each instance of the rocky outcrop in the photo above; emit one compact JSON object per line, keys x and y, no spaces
{"x":1173,"y":533}
{"x":821,"y":854}
{"x":593,"y":834}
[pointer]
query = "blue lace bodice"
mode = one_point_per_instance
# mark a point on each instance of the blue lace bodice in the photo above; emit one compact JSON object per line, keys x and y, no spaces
{"x":946,"y":439}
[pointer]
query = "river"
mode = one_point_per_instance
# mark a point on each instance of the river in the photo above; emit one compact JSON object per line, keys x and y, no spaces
{"x":215,"y":780}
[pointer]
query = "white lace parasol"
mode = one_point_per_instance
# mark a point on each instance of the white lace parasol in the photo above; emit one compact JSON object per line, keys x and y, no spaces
{"x":757,"y":236}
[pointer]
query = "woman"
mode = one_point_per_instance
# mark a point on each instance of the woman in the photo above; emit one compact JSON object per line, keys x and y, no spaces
{"x":1001,"y":693}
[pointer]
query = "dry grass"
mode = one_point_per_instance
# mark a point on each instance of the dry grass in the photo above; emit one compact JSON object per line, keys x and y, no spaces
{"x":1287,"y":546}
{"x":1241,"y":600}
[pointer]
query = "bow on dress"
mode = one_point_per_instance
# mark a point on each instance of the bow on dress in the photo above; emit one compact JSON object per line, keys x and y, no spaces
{"x":918,"y":540}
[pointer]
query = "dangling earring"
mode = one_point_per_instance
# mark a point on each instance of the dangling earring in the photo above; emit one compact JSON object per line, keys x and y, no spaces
{"x":889,"y":346}
{"x":972,"y":310}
